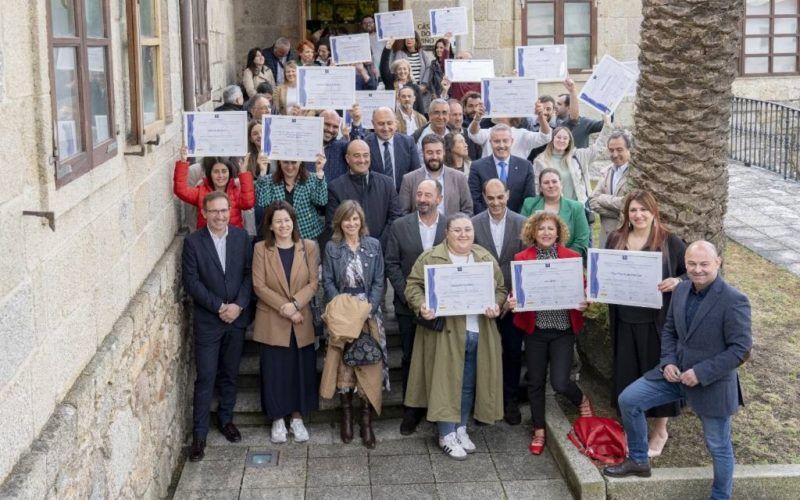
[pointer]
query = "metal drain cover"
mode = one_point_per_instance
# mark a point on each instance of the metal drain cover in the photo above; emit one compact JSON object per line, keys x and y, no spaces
{"x":262,"y":458}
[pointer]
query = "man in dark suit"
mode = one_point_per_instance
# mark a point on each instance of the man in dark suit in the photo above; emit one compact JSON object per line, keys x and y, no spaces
{"x":498,"y":230}
{"x":217,"y":275}
{"x":391,"y":153}
{"x":515,"y":172}
{"x":706,"y":337}
{"x":409,"y":237}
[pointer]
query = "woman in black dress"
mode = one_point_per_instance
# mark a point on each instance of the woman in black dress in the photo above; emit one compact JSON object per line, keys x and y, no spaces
{"x":637,"y":330}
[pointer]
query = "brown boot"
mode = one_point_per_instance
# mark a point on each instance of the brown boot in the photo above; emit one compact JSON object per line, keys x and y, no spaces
{"x":367,"y":436}
{"x":346,"y":426}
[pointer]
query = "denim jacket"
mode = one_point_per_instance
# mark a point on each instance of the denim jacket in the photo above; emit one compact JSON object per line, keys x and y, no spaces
{"x":334,"y":267}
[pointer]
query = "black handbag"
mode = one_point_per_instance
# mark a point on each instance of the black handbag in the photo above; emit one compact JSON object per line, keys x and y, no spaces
{"x":316,"y":310}
{"x":435,"y":324}
{"x":362,"y":351}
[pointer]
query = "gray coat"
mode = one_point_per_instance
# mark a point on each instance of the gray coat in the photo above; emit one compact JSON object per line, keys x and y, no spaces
{"x":456,"y":191}
{"x":512,"y":243}
{"x":334,"y":268}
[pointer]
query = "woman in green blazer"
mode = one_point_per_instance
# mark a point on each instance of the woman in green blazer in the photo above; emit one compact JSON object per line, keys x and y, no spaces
{"x":570,"y":211}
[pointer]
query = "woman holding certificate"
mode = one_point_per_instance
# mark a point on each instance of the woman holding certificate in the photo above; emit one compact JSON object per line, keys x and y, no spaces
{"x":353,"y":265}
{"x":304,"y":192}
{"x":285,"y":97}
{"x":550,"y":335}
{"x":397,"y":75}
{"x":636,"y":330}
{"x":285,"y":279}
{"x":256,"y":72}
{"x":551,"y":199}
{"x":444,"y":375}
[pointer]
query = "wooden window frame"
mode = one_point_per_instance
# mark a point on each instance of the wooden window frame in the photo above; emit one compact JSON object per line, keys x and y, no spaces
{"x":558,"y":27}
{"x":142,"y":134}
{"x":92,"y":155}
{"x":771,"y":54}
{"x":202,"y":75}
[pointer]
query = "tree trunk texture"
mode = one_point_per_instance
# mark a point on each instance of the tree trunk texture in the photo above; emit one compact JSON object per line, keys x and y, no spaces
{"x":687,"y":65}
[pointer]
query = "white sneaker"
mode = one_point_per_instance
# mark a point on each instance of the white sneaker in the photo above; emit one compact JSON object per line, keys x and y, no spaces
{"x":464,"y":440}
{"x":299,"y":430}
{"x":449,"y":444}
{"x":278,"y":434}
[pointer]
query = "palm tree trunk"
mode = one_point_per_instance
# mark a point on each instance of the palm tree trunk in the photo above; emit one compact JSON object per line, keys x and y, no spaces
{"x":687,"y":65}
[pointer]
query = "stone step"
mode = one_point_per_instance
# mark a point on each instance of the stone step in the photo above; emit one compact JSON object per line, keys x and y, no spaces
{"x":249,"y":365}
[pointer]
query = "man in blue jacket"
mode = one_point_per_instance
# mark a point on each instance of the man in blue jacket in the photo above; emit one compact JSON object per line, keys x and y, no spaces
{"x":705,"y":338}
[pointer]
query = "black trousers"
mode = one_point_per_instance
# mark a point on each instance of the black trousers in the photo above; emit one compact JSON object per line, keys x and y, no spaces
{"x":408,"y":330}
{"x":511,"y":340}
{"x":553,"y":347}
{"x":217,"y":355}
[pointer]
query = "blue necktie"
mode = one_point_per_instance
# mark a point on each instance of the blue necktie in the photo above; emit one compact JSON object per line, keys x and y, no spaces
{"x":388,"y":168}
{"x":503,"y":172}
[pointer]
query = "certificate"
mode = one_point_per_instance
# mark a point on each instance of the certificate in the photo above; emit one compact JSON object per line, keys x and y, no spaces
{"x":295,"y":138}
{"x":456,"y":289}
{"x":320,"y":87}
{"x":633,"y":67}
{"x":215,"y":134}
{"x":452,"y":20}
{"x":509,"y":97}
{"x":468,"y":70}
{"x":546,"y":63}
{"x":395,"y":24}
{"x":545,"y":285}
{"x":351,"y":49}
{"x":624,"y":277}
{"x":370,"y":100}
{"x":607,"y":86}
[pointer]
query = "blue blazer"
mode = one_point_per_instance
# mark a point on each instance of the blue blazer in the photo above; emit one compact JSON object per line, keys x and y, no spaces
{"x":406,"y":156}
{"x":209,"y":286}
{"x":714,"y":345}
{"x":521,"y":181}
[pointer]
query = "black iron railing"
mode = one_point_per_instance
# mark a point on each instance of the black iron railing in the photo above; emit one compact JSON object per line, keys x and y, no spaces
{"x":767,"y":135}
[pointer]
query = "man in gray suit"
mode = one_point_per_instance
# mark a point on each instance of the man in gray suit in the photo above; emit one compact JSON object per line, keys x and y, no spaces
{"x":498,"y":230}
{"x":455,"y":190}
{"x":409,"y":236}
{"x":706,"y":337}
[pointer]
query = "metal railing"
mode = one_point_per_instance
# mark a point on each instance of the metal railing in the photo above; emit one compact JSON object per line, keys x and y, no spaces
{"x":767,"y":135}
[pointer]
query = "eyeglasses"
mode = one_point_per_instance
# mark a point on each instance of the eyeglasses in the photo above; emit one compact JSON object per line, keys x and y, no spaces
{"x":218,"y":212}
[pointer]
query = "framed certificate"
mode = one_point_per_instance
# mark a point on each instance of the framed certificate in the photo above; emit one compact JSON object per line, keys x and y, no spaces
{"x":457,"y":289}
{"x":215,"y":133}
{"x":320,"y":87}
{"x":607,"y":86}
{"x":295,"y":138}
{"x":350,"y":49}
{"x":509,"y":97}
{"x":546,"y":285}
{"x":624,"y":277}
{"x":546,"y":63}
{"x":468,"y":70}
{"x":451,"y":20}
{"x":396,"y":24}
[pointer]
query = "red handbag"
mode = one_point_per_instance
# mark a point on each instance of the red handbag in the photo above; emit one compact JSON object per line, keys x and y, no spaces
{"x":599,"y":438}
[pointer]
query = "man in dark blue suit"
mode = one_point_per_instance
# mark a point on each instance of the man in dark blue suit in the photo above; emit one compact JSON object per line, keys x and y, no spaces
{"x":515,"y":172}
{"x":706,"y":337}
{"x":391,"y":153}
{"x":217,"y":274}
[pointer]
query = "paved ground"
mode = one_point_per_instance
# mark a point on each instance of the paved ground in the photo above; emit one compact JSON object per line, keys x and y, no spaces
{"x":763,"y":214}
{"x":399,"y":467}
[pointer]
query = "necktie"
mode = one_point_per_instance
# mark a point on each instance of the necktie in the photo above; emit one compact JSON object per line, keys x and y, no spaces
{"x":503,"y":172}
{"x":388,"y":168}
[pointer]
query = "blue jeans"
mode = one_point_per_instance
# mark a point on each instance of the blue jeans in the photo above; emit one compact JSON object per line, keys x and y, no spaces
{"x":467,"y":385}
{"x":644,"y":394}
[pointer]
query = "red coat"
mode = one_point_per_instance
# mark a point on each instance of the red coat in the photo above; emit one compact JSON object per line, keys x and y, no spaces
{"x":527,"y":320}
{"x":242,"y":196}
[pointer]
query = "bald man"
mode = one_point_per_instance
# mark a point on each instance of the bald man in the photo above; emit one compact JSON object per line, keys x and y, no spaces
{"x":335,"y":148}
{"x":373,"y":190}
{"x":706,"y":337}
{"x":392,"y":154}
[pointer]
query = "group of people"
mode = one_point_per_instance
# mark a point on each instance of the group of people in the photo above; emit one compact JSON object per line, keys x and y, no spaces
{"x":452,"y":187}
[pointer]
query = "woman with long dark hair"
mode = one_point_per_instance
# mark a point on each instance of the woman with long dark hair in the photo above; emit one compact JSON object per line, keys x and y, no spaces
{"x":256,"y":72}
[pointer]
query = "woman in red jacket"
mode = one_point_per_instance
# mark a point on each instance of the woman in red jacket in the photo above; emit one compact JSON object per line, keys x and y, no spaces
{"x":219,"y":176}
{"x":550,"y":335}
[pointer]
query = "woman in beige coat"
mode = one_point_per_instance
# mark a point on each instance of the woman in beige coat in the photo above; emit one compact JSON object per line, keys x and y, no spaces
{"x":256,"y":72}
{"x":285,"y":279}
{"x":443,"y":376}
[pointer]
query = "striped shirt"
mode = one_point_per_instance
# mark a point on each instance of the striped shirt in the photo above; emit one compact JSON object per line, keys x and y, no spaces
{"x":415,"y":60}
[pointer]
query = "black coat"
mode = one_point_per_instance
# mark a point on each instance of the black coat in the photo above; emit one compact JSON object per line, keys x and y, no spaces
{"x":521,"y":181}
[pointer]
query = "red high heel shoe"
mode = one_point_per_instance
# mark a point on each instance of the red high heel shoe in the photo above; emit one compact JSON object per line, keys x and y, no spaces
{"x":537,"y":443}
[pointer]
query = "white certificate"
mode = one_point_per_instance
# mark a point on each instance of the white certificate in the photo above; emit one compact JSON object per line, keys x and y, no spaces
{"x":395,"y":24}
{"x":351,"y":49}
{"x":215,"y":134}
{"x":546,"y":63}
{"x":624,"y":277}
{"x":452,"y":20}
{"x":320,"y":87}
{"x":607,"y":86}
{"x":509,"y":97}
{"x":456,"y":289}
{"x":370,"y":100}
{"x":468,"y":70}
{"x":546,"y":285}
{"x":296,"y":138}
{"x":633,"y":67}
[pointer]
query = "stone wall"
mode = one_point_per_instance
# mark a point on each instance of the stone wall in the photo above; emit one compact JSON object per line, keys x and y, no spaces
{"x":259,"y":23}
{"x":119,"y":431}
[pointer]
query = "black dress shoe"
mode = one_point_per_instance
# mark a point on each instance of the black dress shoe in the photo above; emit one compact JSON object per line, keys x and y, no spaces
{"x":231,"y":433}
{"x":628,"y":468}
{"x":512,"y":416}
{"x":198,"y":450}
{"x":411,"y":419}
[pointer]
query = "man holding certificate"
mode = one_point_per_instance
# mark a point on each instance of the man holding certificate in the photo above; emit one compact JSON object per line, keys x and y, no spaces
{"x":447,"y":350}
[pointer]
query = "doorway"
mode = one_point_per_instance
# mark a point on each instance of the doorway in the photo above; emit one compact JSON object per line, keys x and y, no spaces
{"x":340,"y":17}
